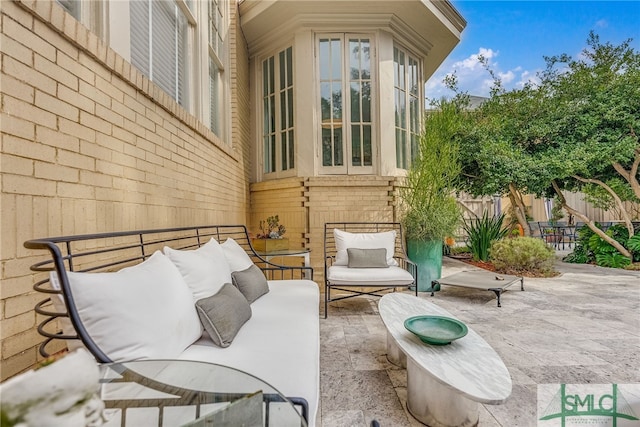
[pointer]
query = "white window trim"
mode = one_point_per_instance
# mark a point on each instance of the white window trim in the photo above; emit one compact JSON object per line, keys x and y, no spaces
{"x":409,"y":53}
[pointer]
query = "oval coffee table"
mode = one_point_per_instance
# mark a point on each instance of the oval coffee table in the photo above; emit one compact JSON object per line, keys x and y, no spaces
{"x":445,"y":383}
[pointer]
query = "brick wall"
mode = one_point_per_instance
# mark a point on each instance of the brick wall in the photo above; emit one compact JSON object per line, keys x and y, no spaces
{"x":90,"y":145}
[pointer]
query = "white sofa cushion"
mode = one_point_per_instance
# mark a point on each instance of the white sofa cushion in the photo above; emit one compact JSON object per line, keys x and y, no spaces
{"x":392,"y":276}
{"x":141,"y":312}
{"x":345,"y":240}
{"x":279,"y":344}
{"x":236,"y":256}
{"x":204,"y":269}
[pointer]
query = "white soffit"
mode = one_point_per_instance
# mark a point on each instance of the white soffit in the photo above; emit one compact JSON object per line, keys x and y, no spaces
{"x":432,"y":27}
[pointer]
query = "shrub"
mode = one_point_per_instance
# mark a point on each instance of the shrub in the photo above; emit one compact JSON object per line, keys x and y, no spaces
{"x":591,"y":248}
{"x":482,"y":232}
{"x":528,"y":256}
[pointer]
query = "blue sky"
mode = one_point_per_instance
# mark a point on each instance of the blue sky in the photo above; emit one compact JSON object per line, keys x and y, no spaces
{"x":516,"y":35}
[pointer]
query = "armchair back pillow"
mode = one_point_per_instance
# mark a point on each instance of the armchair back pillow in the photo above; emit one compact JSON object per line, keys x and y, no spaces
{"x":345,"y":240}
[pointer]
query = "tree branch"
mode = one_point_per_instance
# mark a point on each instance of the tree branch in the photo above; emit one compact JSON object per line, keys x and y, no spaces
{"x":616,"y":199}
{"x":589,"y":223}
{"x":631,"y":176}
{"x":519,"y":208}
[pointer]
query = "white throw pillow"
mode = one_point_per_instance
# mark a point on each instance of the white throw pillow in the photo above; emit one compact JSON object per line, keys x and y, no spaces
{"x":237,"y":257}
{"x":60,"y":307}
{"x":345,"y":240}
{"x":205,"y":269}
{"x":140,"y":312}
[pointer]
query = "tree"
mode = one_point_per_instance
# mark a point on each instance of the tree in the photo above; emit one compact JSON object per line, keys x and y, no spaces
{"x":574,"y":130}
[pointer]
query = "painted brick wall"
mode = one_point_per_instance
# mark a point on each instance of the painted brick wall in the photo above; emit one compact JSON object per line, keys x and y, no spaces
{"x":89,"y":145}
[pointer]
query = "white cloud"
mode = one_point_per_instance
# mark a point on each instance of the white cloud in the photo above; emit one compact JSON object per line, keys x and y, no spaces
{"x":474,"y":79}
{"x":603,"y":23}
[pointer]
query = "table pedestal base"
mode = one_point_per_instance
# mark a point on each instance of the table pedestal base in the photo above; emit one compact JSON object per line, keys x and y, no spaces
{"x":437,"y":405}
{"x":394,"y":354}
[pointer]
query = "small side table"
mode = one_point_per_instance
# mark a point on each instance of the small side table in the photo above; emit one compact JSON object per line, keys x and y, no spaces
{"x":286,"y":253}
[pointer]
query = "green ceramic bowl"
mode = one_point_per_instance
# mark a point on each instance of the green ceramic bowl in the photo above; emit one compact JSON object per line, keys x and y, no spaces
{"x":436,"y":330}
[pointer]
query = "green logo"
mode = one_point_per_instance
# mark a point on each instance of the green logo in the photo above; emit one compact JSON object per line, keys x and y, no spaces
{"x":587,"y":405}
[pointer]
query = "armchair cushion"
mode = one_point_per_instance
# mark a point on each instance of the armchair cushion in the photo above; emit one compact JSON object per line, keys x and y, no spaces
{"x":392,"y":276}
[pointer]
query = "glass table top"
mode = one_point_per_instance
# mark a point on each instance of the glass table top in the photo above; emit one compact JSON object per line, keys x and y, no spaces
{"x":189,"y":393}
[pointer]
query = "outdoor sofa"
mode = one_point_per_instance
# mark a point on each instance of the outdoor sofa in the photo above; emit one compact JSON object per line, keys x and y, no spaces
{"x":132,"y":295}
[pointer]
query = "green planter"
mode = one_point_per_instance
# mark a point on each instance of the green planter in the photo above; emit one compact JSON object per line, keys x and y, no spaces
{"x":428,"y":257}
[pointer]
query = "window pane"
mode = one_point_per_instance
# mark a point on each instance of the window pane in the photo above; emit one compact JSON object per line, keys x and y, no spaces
{"x":354,"y":59}
{"x":214,"y":98}
{"x":325,"y":64}
{"x":367,"y":152}
{"x":356,"y":148}
{"x":325,"y":101}
{"x":283,"y":70}
{"x":366,"y":102}
{"x":336,"y":100}
{"x":338,"y":150}
{"x":336,"y":59}
{"x":290,"y":67}
{"x":290,"y":107}
{"x":355,"y":102}
{"x":291,"y":152}
{"x":327,"y":152}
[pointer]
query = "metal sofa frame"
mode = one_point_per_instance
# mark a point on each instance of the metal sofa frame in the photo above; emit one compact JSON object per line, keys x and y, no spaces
{"x":356,"y":290}
{"x":113,"y":251}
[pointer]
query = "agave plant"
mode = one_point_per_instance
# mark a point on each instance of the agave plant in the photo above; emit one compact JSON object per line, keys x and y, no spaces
{"x":482,"y":232}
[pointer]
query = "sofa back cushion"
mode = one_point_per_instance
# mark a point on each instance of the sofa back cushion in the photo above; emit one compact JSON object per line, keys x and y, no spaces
{"x":345,"y":240}
{"x":140,"y":312}
{"x":205,"y":269}
{"x":236,"y":256}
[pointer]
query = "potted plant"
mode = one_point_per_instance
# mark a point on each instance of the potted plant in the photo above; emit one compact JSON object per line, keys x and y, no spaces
{"x":269,"y":237}
{"x":429,"y":211}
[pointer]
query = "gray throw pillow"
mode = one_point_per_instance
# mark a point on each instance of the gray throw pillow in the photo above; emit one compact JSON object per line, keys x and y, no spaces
{"x":223,"y":314}
{"x":251,"y":282}
{"x":367,"y":258}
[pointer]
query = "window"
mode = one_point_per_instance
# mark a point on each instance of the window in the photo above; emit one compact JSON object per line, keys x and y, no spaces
{"x":277,"y":109}
{"x":345,"y":104}
{"x":71,"y":6}
{"x":216,"y":14}
{"x":159,"y":45}
{"x":407,"y":93}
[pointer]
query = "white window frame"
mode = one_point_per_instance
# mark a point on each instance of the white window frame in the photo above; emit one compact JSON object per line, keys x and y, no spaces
{"x":410,"y":125}
{"x":345,"y":122}
{"x":217,"y":56}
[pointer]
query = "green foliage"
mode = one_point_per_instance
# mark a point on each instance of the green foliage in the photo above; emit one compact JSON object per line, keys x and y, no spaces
{"x":612,"y":260}
{"x":591,"y":248}
{"x":429,"y":210}
{"x":523,"y":255}
{"x":482,"y":232}
{"x":633,"y":244}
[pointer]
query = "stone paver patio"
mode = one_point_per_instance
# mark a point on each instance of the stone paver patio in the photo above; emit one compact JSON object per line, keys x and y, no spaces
{"x":580,"y":327}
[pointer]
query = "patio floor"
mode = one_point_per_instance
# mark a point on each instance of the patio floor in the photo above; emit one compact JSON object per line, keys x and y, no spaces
{"x":580,"y":327}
